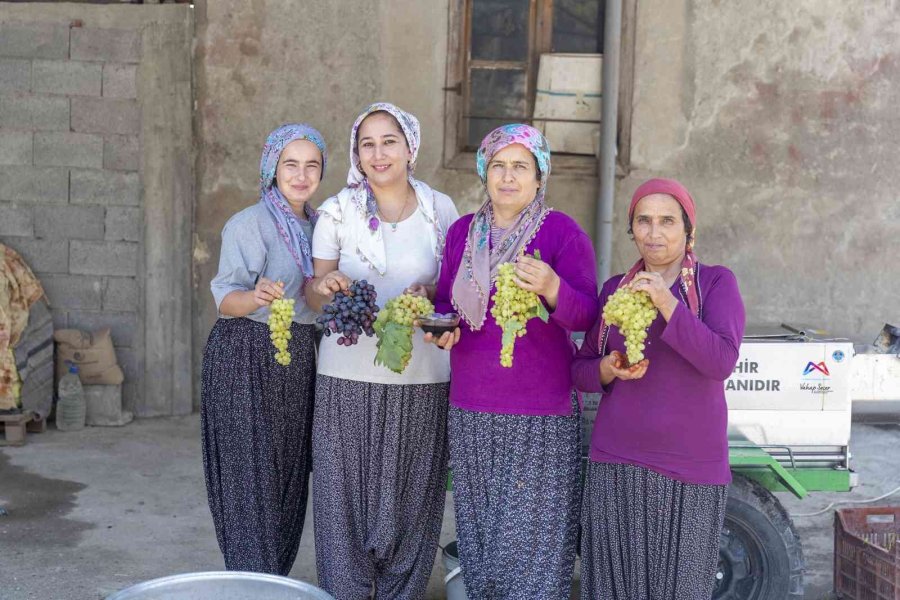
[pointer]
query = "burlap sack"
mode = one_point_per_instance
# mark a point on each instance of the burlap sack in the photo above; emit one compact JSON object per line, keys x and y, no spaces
{"x":93,"y":353}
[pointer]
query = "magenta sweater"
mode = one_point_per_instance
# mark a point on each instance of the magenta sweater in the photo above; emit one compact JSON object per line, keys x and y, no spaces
{"x":539,"y":382}
{"x":674,"y":419}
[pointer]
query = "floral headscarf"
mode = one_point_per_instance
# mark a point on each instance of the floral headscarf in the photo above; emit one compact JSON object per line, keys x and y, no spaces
{"x":480,"y":261}
{"x":356,"y":178}
{"x":411,"y":131}
{"x":690,"y":267}
{"x":286,"y":221}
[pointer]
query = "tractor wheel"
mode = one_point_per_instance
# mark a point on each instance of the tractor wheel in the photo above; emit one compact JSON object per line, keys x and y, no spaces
{"x":760,"y":556}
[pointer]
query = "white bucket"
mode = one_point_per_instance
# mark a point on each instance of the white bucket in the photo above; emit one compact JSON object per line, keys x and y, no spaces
{"x":456,"y":589}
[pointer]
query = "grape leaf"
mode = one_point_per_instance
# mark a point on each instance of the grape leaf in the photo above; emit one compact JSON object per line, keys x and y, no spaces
{"x":380,"y":321}
{"x":509,"y":331}
{"x":394,"y":346}
{"x":542,"y":313}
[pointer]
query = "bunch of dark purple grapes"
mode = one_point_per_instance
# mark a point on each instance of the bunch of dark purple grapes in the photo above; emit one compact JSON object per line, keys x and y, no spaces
{"x":351,"y":313}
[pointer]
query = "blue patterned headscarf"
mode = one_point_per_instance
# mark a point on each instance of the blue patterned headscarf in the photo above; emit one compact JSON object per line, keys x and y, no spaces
{"x":286,"y":221}
{"x":480,"y":261}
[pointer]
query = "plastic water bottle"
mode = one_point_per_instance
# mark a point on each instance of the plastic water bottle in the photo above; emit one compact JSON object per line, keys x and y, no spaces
{"x":71,"y":409}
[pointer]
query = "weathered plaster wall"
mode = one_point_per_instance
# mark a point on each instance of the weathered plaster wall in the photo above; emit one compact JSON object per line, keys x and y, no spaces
{"x":265,"y":62}
{"x":781,"y":117}
{"x":260,"y":64}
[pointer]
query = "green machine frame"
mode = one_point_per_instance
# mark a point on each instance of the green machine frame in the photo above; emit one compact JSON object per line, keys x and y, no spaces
{"x":755,"y":463}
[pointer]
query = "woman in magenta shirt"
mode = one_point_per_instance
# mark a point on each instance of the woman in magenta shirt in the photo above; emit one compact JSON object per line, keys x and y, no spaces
{"x":656,"y":484}
{"x":514,"y":431}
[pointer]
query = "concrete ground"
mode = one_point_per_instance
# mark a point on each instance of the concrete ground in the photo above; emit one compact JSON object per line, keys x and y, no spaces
{"x":94,"y":511}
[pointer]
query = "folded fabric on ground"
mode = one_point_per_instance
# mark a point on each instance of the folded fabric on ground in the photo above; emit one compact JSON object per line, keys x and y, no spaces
{"x":34,"y":361}
{"x":19,"y":290}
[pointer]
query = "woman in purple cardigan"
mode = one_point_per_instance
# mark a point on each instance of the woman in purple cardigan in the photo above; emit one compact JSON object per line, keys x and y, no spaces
{"x":514,"y":431}
{"x":655,"y":488}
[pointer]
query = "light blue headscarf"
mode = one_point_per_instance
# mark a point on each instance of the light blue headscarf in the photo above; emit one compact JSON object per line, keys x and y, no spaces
{"x":286,"y":221}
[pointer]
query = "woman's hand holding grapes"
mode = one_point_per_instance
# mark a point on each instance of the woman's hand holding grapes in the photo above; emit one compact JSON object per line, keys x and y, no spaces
{"x":331,"y":283}
{"x":420,"y":289}
{"x":536,"y":276}
{"x":266,"y":291}
{"x":656,"y":288}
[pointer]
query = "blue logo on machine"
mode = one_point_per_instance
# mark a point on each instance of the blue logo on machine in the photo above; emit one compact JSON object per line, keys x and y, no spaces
{"x":838,"y":355}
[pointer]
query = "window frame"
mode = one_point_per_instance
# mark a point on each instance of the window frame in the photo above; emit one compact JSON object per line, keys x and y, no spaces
{"x":470,"y":64}
{"x":458,"y":84}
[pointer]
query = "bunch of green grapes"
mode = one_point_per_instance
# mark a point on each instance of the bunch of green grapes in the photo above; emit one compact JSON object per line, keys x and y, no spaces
{"x":281,"y":315}
{"x":513,"y":308}
{"x":394,"y":330}
{"x":632,"y":312}
{"x":405,"y":308}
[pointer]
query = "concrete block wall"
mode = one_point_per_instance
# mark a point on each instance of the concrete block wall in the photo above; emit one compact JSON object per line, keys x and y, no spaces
{"x":95,"y":132}
{"x":70,"y":197}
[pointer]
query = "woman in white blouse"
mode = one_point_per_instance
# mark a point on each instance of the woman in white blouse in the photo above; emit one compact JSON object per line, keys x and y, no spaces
{"x":379,"y":438}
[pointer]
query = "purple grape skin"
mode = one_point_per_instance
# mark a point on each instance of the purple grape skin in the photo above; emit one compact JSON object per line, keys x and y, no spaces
{"x":351,"y":313}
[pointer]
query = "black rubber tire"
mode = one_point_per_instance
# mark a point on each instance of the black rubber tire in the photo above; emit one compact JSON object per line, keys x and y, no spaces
{"x":760,"y":555}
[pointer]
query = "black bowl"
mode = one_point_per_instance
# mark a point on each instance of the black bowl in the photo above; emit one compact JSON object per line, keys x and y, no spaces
{"x":437,"y":324}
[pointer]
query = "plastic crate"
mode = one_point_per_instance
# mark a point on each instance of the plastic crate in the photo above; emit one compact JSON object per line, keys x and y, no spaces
{"x":867,"y":553}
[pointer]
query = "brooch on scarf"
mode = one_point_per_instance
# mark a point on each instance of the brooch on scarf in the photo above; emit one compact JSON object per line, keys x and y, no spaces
{"x":371,"y":209}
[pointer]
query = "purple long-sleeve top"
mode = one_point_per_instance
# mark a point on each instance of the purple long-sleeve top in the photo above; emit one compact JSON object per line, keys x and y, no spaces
{"x":673,"y":420}
{"x":539,"y":382}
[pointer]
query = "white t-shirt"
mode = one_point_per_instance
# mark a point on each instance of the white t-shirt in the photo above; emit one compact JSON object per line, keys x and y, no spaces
{"x":410,"y":258}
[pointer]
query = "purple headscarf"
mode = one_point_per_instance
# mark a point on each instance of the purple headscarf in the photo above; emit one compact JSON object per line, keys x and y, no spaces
{"x":286,"y":221}
{"x":479,"y":263}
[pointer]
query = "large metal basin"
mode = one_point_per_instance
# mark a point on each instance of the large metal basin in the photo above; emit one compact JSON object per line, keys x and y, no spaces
{"x":222,"y":585}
